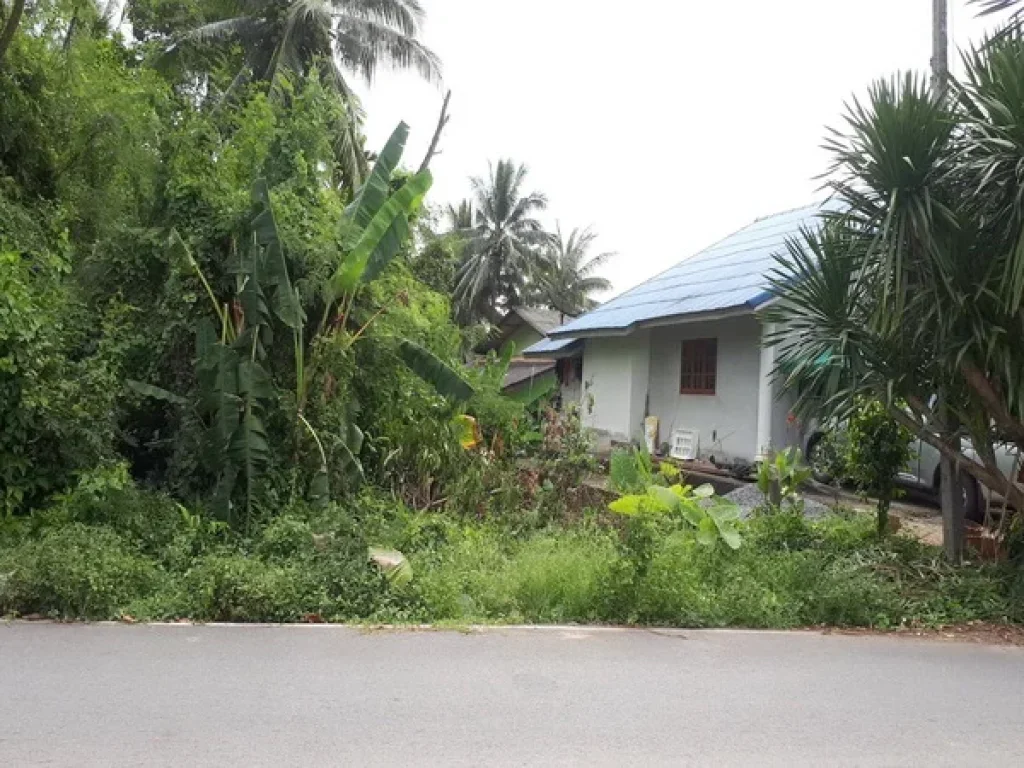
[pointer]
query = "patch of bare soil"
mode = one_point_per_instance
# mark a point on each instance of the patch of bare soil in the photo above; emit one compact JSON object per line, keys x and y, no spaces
{"x":927,"y":530}
{"x":981,"y":633}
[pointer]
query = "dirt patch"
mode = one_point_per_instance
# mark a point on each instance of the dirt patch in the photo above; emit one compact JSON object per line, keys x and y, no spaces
{"x":927,"y":530}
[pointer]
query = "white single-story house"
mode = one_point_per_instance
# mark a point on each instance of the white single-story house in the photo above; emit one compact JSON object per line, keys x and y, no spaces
{"x":687,"y":347}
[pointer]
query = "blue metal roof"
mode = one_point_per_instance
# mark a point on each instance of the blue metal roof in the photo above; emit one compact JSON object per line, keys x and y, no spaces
{"x":728,"y":275}
{"x":549,"y":347}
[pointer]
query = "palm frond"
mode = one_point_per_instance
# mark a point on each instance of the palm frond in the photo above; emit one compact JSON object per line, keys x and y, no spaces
{"x":363,"y":45}
{"x":225,"y":29}
{"x":404,"y":15}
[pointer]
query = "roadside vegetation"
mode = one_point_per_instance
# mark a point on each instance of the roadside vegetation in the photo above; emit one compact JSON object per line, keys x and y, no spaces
{"x":236,"y":381}
{"x":134,"y":555}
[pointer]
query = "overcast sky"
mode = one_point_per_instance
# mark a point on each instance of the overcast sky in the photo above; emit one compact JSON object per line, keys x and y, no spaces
{"x":666,"y":125}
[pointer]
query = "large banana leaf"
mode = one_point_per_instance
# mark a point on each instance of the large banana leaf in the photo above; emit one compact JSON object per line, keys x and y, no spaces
{"x":274,"y":272}
{"x":393,"y":564}
{"x":537,"y":390}
{"x":249,"y":448}
{"x":254,"y":381}
{"x":157,"y":393}
{"x":375,"y":191}
{"x":250,"y":453}
{"x":349,"y":446}
{"x":435,"y":371}
{"x":382,"y":238}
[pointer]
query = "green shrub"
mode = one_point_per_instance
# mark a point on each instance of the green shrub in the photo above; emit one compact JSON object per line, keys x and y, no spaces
{"x":149,"y":520}
{"x":780,"y":478}
{"x":75,"y":571}
{"x":630,"y":470}
{"x":785,"y":530}
{"x":471,"y":579}
{"x":878,"y":449}
{"x":233,"y":587}
{"x":563,"y":577}
{"x":677,"y":589}
{"x":285,"y":538}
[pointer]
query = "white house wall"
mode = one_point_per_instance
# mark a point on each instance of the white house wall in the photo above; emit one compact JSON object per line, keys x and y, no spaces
{"x":726,"y":421}
{"x":615,"y":376}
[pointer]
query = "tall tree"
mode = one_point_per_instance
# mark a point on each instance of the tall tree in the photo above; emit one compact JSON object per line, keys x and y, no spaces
{"x":460,"y":218}
{"x":567,"y":273}
{"x":917,"y":287}
{"x":503,"y":246}
{"x":353,"y":35}
{"x":278,"y":37}
{"x":9,"y":21}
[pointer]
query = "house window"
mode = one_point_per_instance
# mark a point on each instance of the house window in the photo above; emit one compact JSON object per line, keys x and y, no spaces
{"x":699,"y":371}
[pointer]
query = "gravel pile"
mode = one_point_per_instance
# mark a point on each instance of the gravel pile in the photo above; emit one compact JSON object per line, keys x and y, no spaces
{"x":749,"y":498}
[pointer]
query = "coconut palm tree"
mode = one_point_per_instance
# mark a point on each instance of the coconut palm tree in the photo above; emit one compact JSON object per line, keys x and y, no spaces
{"x":460,"y":218}
{"x":351,"y":35}
{"x":502,"y":248}
{"x":341,"y":37}
{"x":567,"y":273}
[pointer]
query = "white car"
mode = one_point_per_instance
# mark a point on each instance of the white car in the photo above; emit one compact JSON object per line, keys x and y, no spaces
{"x":923,"y":472}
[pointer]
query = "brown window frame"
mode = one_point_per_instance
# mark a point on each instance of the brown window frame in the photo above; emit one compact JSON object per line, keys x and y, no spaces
{"x":698,"y":369}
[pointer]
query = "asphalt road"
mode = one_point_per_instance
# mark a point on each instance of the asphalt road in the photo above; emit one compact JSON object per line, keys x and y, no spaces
{"x":106,"y":695}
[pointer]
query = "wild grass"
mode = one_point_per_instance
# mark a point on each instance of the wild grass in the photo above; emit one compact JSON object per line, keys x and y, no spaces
{"x":134,"y":554}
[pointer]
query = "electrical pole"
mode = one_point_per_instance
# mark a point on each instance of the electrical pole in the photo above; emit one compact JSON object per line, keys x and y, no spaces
{"x":940,"y":46}
{"x":950,"y":493}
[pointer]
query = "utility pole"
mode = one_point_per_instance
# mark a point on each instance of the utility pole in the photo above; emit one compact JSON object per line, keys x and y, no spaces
{"x":950,"y":494}
{"x":940,"y":46}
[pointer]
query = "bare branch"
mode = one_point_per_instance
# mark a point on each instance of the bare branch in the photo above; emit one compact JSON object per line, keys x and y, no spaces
{"x":442,"y":121}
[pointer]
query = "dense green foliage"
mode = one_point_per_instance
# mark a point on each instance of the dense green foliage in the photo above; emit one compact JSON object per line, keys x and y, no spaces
{"x":188,"y":287}
{"x":912,"y":292}
{"x":110,"y":552}
{"x":232,"y":387}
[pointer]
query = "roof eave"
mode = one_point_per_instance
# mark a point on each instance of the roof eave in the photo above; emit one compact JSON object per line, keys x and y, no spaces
{"x":747,"y":308}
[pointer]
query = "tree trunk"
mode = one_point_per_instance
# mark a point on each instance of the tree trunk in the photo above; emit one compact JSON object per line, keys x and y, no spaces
{"x":952,"y":500}
{"x":989,"y":476}
{"x":10,"y":27}
{"x":883,"y":517}
{"x":951,"y":496}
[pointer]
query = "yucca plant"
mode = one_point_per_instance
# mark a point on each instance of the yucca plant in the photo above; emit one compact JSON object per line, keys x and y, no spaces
{"x":914,"y":285}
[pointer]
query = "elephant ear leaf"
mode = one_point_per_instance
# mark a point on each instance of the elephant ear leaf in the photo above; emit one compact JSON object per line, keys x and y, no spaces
{"x":707,"y":532}
{"x":435,"y":371}
{"x":254,"y":381}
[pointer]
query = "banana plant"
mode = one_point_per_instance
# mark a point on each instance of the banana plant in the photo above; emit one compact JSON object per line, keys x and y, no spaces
{"x":235,"y":390}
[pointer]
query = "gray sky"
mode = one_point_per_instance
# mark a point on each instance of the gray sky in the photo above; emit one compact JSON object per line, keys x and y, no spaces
{"x":664,"y":124}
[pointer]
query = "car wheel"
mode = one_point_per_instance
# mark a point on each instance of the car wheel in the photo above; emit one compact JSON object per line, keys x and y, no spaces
{"x":973,"y":498}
